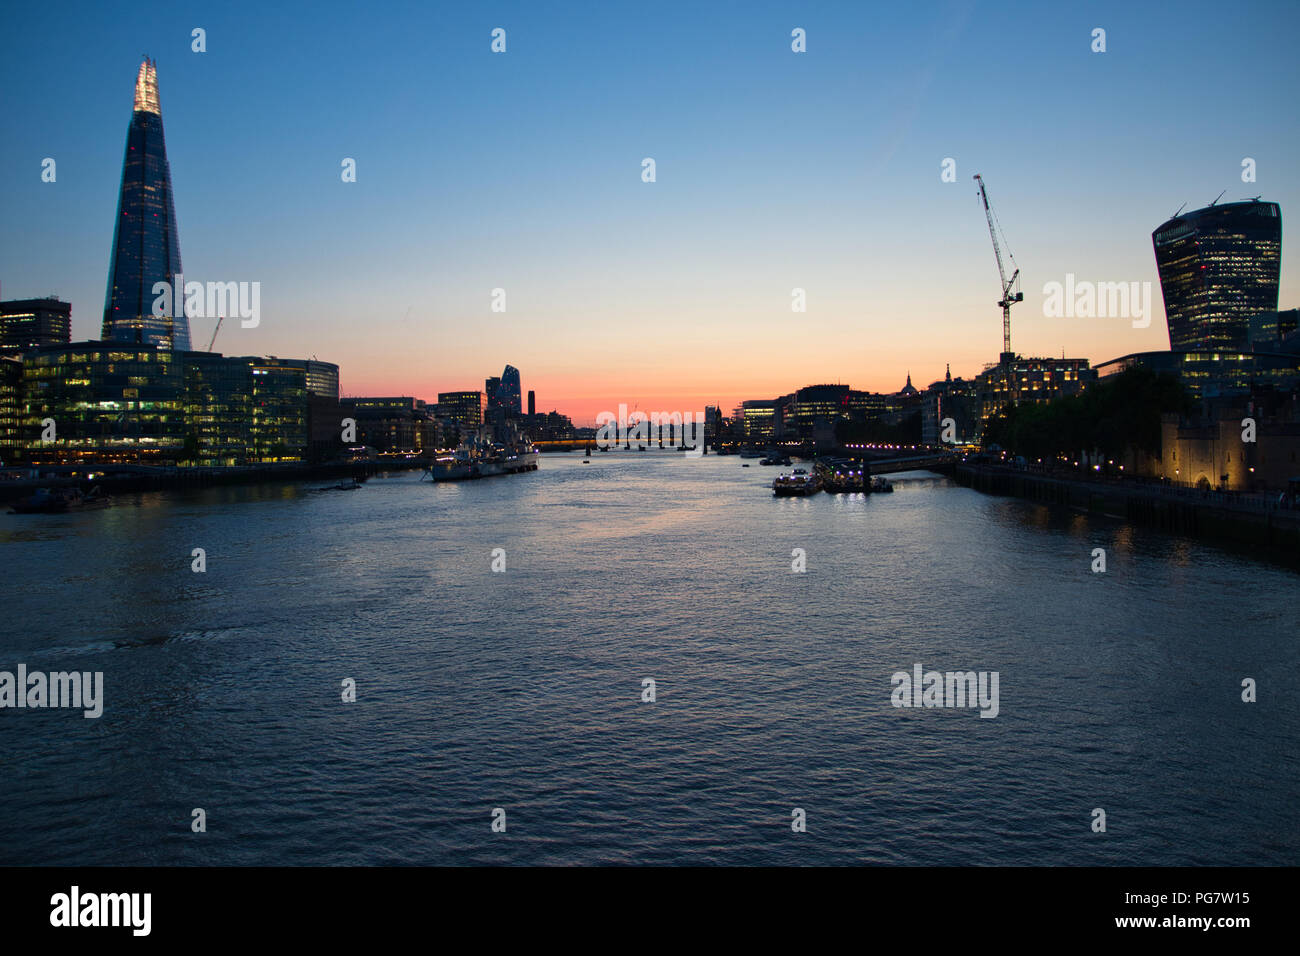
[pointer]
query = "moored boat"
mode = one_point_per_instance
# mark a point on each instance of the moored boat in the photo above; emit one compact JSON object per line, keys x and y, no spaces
{"x":798,"y":484}
{"x":484,"y":454}
{"x":841,"y":476}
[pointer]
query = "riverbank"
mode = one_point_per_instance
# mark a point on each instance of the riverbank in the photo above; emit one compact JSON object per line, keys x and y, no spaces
{"x":115,"y":480}
{"x":1202,"y":514}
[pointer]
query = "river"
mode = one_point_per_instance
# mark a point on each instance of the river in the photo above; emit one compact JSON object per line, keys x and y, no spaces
{"x":521,"y":690}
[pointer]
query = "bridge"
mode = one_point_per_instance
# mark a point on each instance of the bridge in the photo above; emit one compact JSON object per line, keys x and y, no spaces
{"x":930,"y":461}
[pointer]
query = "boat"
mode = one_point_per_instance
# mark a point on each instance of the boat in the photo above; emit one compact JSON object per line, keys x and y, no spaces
{"x":799,"y":483}
{"x":350,"y":485}
{"x":489,"y":451}
{"x":881,"y":486}
{"x":845,"y":476}
{"x":45,"y":501}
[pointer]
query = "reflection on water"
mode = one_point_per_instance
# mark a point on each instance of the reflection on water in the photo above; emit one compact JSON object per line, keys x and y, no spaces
{"x":523,"y":689}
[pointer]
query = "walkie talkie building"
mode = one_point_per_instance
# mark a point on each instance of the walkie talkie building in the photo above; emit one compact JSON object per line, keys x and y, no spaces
{"x":146,"y":249}
{"x":1218,"y":267}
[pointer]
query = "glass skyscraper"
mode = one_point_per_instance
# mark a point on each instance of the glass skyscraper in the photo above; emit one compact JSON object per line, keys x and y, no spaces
{"x":1219,"y":266}
{"x":146,"y":248}
{"x":508,"y":392}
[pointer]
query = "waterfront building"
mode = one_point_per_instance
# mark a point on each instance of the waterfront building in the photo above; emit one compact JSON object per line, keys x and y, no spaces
{"x":1207,"y":451}
{"x":11,"y":407}
{"x":812,"y":413}
{"x":393,"y":425}
{"x":279,"y":426}
{"x":532,"y":403}
{"x":322,"y":378}
{"x":1218,"y":267}
{"x":465,"y":410}
{"x":146,"y":246}
{"x":34,"y":323}
{"x":1208,"y":373}
{"x":115,"y":403}
{"x":761,"y":419}
{"x":111,"y":402}
{"x":218,"y":409}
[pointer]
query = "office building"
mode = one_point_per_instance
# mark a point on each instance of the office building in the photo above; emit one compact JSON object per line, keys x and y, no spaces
{"x":34,"y":323}
{"x":1218,"y":267}
{"x":463,"y":409}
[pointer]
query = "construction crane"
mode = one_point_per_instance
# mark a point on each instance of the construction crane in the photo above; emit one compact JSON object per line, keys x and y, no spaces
{"x":213,"y":341}
{"x":1010,"y":287}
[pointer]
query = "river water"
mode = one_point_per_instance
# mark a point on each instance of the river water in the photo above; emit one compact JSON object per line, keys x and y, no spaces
{"x":522,"y":689}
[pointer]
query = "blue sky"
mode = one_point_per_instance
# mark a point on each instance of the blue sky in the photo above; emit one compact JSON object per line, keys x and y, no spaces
{"x":523,"y":171}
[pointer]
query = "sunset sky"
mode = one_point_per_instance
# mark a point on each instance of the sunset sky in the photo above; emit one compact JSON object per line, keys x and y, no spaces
{"x":522,"y":170}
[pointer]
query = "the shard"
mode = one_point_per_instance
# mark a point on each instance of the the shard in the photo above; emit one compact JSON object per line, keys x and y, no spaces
{"x":146,"y":249}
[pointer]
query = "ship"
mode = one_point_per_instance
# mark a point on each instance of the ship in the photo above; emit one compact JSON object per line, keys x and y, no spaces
{"x":797,"y":484}
{"x":841,"y":475}
{"x":491,"y":450}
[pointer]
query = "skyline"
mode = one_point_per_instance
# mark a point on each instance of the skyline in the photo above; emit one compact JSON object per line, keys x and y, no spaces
{"x":667,"y":294}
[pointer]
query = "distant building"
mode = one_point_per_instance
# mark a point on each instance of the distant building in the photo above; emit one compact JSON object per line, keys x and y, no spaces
{"x":1020,"y":380}
{"x":146,"y":247}
{"x":712,"y":423}
{"x":761,"y":419}
{"x":1275,"y":331}
{"x":465,"y":410}
{"x":952,"y":403}
{"x":1218,"y":267}
{"x":509,"y":397}
{"x":532,"y":403}
{"x":391,"y":425}
{"x":551,"y":426}
{"x":34,"y":323}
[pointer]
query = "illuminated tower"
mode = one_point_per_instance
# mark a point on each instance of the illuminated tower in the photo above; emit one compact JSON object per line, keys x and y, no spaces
{"x":146,"y":249}
{"x":1219,"y":266}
